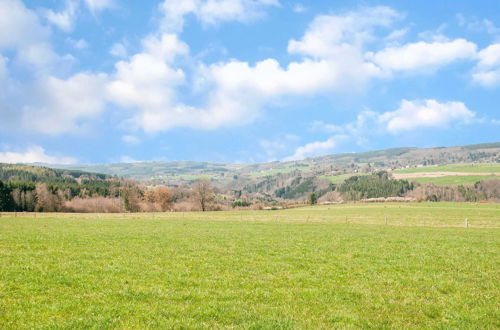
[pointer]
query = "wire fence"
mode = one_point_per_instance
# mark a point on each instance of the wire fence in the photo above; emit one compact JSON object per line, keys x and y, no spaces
{"x":484,"y":220}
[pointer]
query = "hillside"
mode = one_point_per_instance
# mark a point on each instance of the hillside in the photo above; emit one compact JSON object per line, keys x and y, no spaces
{"x":28,"y":188}
{"x":465,"y":173}
{"x":297,"y":179}
{"x":186,"y":171}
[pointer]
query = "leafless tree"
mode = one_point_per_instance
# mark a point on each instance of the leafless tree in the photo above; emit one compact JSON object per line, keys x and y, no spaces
{"x":203,"y":193}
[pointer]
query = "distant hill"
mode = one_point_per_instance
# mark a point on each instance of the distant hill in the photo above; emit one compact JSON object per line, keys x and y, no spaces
{"x":74,"y":182}
{"x":186,"y":171}
{"x":295,"y":179}
{"x":28,"y":173}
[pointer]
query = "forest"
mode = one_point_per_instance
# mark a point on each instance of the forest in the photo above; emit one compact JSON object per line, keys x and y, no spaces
{"x":25,"y":188}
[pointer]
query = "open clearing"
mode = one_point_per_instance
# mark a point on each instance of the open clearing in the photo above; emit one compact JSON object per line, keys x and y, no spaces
{"x":439,"y":174}
{"x":469,"y":168}
{"x":318,"y":267}
{"x":453,"y":174}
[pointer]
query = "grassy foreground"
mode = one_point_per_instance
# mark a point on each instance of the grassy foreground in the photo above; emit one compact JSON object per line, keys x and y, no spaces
{"x":300,"y":268}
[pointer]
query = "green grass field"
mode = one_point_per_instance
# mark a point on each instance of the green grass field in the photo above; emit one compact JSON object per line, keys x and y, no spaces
{"x":454,"y":180}
{"x":469,"y":168}
{"x":317,"y":267}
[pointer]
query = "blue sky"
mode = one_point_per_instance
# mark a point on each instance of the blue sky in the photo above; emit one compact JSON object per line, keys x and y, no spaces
{"x":99,"y":81}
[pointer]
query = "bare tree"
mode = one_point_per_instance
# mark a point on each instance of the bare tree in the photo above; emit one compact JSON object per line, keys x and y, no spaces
{"x":203,"y":193}
{"x":46,"y":201}
{"x":163,"y":198}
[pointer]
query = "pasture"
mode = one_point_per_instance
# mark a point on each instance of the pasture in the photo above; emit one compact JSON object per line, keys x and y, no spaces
{"x":451,"y":174}
{"x":467,"y":168}
{"x":336,"y":266}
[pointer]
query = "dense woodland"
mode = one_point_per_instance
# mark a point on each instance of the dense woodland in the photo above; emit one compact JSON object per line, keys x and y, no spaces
{"x":30,"y":188}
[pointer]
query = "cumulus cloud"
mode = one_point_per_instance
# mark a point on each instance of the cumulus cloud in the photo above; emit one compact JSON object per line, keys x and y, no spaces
{"x":3,"y":67}
{"x":98,"y":5}
{"x":148,"y":80}
{"x":313,"y":149}
{"x":78,"y":44}
{"x":272,"y":148}
{"x":237,"y":91}
{"x":65,"y":19}
{"x":330,"y":57}
{"x":410,"y":116}
{"x":422,"y":114}
{"x":63,"y":105}
{"x":299,"y":8}
{"x":34,"y":154}
{"x":26,"y":35}
{"x":333,"y":35}
{"x":45,"y":103}
{"x":487,"y":70}
{"x":211,"y":12}
{"x":130,"y":139}
{"x":119,"y":50}
{"x":423,"y":55}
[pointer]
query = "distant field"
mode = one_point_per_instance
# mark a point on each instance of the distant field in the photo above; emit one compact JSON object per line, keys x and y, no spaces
{"x":454,"y":179}
{"x":454,"y":174}
{"x":472,"y":168}
{"x":282,"y":170}
{"x":316,"y":267}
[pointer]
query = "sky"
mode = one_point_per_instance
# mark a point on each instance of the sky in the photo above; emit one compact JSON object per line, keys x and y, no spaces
{"x":103,"y":81}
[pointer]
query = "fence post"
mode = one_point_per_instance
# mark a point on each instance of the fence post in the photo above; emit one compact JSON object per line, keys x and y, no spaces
{"x":466,"y":223}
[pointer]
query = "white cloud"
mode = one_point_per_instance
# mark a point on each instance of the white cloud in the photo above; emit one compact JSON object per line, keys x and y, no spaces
{"x":3,"y":67}
{"x":237,"y":91}
{"x":98,"y":5}
{"x":410,"y":116}
{"x":211,"y":12}
{"x":476,"y":25}
{"x":26,"y":35}
{"x":397,"y":35}
{"x":423,"y":55}
{"x":64,"y":105}
{"x":165,"y":47}
{"x":128,"y":159}
{"x":422,"y":114}
{"x":78,"y":44}
{"x":321,"y":126}
{"x":34,"y":154}
{"x":272,"y":148}
{"x":332,"y":60}
{"x":299,"y":8}
{"x":65,"y":19}
{"x":119,"y":50}
{"x":130,"y":139}
{"x":330,"y":36}
{"x":148,"y":80}
{"x":313,"y":149}
{"x":487,"y":70}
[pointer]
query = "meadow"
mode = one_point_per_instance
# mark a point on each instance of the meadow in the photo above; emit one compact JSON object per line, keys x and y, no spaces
{"x":454,"y":180}
{"x":468,"y":168}
{"x":335,"y":266}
